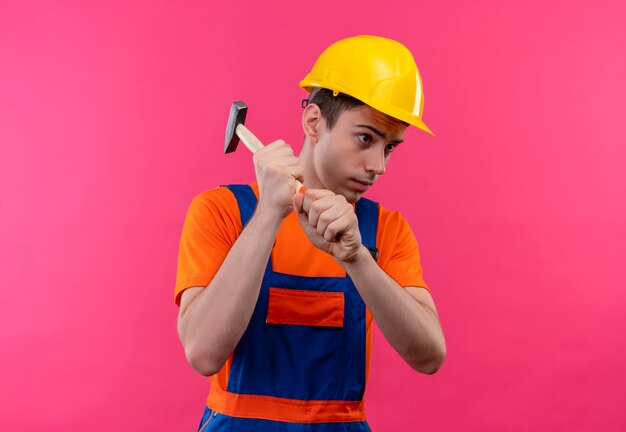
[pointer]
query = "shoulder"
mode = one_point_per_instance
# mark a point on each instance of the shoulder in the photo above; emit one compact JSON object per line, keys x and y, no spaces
{"x":216,"y":208}
{"x":399,"y":254}
{"x":220,"y":199}
{"x":395,"y":236}
{"x":391,"y":222}
{"x":216,"y":198}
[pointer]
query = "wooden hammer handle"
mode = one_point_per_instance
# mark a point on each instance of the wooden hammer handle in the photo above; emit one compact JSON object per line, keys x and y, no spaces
{"x":254,"y":144}
{"x":248,"y":138}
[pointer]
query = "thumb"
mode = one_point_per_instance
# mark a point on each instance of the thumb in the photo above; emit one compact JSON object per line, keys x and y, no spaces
{"x":298,"y":200}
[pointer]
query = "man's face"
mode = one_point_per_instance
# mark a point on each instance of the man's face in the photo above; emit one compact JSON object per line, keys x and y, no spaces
{"x":350,"y":157}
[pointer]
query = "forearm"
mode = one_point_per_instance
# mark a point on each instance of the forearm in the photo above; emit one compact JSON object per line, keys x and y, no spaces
{"x":411,"y":327}
{"x":215,"y":320}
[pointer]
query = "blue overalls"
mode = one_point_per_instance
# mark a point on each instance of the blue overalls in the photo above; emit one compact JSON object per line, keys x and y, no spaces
{"x":298,"y":368}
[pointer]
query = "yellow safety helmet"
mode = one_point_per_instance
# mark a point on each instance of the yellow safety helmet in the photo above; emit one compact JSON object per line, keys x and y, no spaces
{"x":377,"y":71}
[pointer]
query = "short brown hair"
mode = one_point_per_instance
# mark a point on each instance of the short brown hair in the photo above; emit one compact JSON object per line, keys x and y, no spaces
{"x":331,"y":106}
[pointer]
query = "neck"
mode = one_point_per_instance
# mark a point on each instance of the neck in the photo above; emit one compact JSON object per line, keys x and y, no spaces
{"x":311,"y":179}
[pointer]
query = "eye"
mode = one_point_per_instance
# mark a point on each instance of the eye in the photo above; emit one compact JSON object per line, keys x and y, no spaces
{"x":390,"y":147}
{"x":365,"y":138}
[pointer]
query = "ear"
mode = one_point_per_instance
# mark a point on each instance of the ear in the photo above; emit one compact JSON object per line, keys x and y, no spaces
{"x":312,"y":122}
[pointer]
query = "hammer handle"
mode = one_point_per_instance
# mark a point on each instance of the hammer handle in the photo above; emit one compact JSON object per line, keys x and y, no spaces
{"x":248,"y":138}
{"x":254,"y":144}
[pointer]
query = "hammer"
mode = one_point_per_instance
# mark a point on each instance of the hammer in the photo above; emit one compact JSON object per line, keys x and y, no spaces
{"x":235,"y":131}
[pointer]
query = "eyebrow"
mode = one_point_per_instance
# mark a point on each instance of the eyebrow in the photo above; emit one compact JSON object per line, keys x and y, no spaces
{"x":380,"y":133}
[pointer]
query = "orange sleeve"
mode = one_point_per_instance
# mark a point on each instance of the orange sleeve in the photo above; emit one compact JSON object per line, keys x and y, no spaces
{"x":399,"y":253}
{"x":210,"y":230}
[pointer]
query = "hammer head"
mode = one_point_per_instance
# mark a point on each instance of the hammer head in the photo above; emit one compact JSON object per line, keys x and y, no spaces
{"x":237,"y":116}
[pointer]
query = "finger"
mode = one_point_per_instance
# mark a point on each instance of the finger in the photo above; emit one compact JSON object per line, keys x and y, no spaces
{"x":281,"y":166}
{"x":312,"y":195}
{"x":277,"y":144}
{"x":319,"y":206}
{"x":268,"y":155}
{"x":282,"y":161}
{"x":296,"y":172}
{"x":311,"y":233}
{"x":338,"y":227}
{"x":328,"y":216}
{"x":326,"y":201}
{"x":297,"y":203}
{"x":276,"y":148}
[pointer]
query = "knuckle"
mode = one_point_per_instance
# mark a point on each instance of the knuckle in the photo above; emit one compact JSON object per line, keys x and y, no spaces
{"x":331,"y":228}
{"x":325,"y":218}
{"x":316,"y":206}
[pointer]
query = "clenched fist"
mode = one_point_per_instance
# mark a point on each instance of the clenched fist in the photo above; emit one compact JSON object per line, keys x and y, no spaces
{"x":329,"y":222}
{"x":277,"y":169}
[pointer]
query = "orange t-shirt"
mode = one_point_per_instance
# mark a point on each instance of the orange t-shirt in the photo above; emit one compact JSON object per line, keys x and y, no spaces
{"x":213,"y":224}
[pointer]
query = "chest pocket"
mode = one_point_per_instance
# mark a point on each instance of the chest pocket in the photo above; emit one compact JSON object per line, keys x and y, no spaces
{"x":303,"y":307}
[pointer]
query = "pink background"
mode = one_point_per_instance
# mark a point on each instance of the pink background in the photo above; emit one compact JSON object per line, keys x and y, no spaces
{"x":112,"y":117}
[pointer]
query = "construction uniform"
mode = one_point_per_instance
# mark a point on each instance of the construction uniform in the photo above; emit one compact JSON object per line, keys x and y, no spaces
{"x":302,"y":363}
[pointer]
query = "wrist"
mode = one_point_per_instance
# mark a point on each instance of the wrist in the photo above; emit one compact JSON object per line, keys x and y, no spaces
{"x":360,"y":257}
{"x":267,"y":216}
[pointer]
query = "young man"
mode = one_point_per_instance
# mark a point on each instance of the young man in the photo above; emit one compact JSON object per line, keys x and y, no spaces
{"x":277,"y":288}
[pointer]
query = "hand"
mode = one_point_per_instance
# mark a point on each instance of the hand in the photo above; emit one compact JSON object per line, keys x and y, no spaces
{"x":329,"y":222}
{"x":277,"y":169}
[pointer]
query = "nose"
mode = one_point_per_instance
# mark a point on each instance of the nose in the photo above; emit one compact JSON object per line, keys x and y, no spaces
{"x":375,"y":161}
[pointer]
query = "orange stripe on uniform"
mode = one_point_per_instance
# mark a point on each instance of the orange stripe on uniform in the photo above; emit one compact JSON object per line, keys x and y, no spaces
{"x":285,"y":410}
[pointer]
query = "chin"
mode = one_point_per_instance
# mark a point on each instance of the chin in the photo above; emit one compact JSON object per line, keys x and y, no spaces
{"x":351,"y":196}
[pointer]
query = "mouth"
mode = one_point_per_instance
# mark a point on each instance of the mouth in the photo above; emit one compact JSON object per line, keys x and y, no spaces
{"x":360,"y":185}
